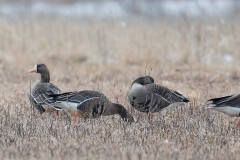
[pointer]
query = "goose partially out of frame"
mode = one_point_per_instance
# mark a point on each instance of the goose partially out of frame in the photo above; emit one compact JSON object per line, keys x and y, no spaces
{"x":229,"y":105}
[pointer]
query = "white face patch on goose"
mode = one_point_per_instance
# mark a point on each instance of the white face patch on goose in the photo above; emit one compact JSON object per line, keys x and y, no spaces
{"x":35,"y":68}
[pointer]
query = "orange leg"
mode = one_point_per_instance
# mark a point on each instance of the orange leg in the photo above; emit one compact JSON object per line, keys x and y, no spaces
{"x":58,"y":114}
{"x":238,"y":123}
{"x":40,"y":115}
{"x":149,"y":117}
{"x":75,"y":118}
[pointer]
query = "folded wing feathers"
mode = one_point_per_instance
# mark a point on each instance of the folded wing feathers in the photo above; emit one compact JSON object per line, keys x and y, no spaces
{"x":220,"y":99}
{"x":168,"y":95}
{"x":41,"y":93}
{"x":185,"y":99}
{"x":232,"y":100}
{"x":77,"y":97}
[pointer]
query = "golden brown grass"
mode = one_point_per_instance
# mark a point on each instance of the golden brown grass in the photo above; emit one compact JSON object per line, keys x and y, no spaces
{"x":104,"y":55}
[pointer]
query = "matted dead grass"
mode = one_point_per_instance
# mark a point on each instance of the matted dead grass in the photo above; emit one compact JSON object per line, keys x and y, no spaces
{"x":106,"y":56}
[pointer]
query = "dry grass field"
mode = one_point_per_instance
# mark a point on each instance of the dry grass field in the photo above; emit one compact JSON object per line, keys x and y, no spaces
{"x":199,"y":58}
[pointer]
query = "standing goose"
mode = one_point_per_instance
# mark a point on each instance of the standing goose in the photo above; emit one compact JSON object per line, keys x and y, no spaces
{"x":39,"y":96}
{"x":229,"y":105}
{"x":89,"y":104}
{"x":147,"y":96}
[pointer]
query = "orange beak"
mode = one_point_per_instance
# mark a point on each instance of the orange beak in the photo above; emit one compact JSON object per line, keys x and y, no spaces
{"x":32,"y":70}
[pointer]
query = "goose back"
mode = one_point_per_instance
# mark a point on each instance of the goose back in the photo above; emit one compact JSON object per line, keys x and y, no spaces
{"x":89,"y":104}
{"x":92,"y":103}
{"x":77,"y":101}
{"x":39,"y":96}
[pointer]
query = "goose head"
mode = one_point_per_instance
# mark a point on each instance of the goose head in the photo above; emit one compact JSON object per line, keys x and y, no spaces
{"x":43,"y":70}
{"x":144,"y":80}
{"x":119,"y":109}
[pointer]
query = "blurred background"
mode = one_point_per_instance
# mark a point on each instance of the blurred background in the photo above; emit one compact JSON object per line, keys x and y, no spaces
{"x":153,"y":9}
{"x":205,"y":30}
{"x":103,"y":37}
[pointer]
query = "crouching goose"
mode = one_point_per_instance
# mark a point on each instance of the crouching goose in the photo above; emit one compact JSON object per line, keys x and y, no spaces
{"x":39,"y":96}
{"x":229,"y":105}
{"x":89,"y":104}
{"x":147,"y":96}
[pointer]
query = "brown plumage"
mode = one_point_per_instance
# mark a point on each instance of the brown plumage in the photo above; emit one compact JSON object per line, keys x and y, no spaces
{"x":89,"y":104}
{"x":229,"y":105}
{"x":39,"y":96}
{"x":147,"y":96}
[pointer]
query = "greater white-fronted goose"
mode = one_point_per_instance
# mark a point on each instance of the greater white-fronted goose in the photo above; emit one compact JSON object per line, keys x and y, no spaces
{"x":39,"y":96}
{"x":89,"y":104}
{"x":229,"y":105}
{"x":147,"y":96}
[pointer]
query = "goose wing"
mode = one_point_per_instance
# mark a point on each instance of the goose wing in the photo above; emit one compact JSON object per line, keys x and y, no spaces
{"x":144,"y":99}
{"x":87,"y":101}
{"x":77,"y":97}
{"x":40,"y":93}
{"x":165,"y":94}
{"x":232,"y":100}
